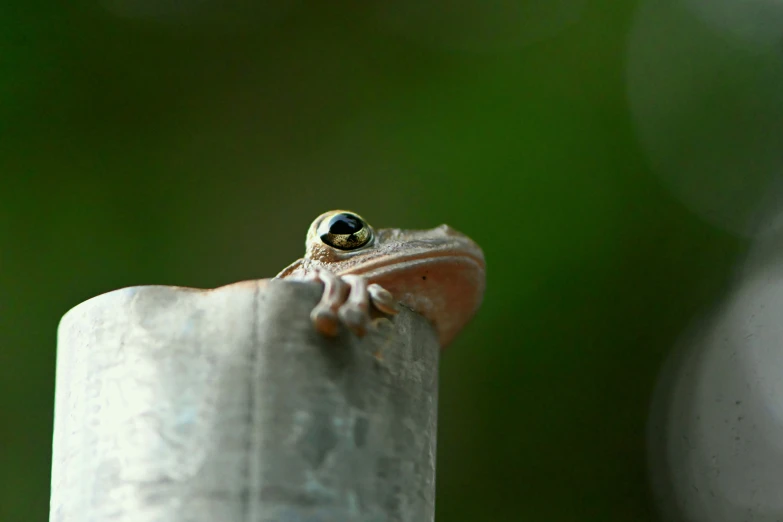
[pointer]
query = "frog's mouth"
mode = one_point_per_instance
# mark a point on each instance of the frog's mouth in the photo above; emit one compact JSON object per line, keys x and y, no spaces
{"x":394,"y":251}
{"x":471,"y":256}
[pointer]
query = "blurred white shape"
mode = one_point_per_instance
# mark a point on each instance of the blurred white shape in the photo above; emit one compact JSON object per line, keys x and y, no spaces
{"x":480,"y":25}
{"x":708,"y":113}
{"x":716,"y":422}
{"x":759,"y":22}
{"x":202,"y":12}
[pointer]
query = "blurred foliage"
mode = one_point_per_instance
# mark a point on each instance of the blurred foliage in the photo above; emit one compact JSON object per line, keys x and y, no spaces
{"x":151,"y":143}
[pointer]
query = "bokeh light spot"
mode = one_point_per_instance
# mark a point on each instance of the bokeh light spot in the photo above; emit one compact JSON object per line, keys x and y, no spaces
{"x":709,"y":115}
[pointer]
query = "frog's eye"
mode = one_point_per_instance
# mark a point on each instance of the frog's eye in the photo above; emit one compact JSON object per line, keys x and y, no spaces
{"x":345,"y":231}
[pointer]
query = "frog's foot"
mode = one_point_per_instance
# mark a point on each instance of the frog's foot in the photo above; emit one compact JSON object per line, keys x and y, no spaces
{"x":347,"y":300}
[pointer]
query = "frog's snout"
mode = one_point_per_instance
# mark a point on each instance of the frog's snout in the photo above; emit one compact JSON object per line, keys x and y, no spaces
{"x":464,"y":242}
{"x":448,"y":231}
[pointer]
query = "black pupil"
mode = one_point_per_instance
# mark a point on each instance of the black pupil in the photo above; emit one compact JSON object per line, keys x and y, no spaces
{"x":345,"y":224}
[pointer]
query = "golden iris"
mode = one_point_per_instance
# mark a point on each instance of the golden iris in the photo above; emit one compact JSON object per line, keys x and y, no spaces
{"x":345,"y":231}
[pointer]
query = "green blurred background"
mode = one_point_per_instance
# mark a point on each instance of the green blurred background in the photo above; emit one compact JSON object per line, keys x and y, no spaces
{"x":613,"y":158}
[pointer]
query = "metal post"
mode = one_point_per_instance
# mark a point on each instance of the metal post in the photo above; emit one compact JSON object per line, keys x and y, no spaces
{"x":176,"y":404}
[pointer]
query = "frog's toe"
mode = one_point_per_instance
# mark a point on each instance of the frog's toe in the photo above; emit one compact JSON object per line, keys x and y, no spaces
{"x":355,"y":319}
{"x":325,"y":321}
{"x":355,"y":312}
{"x":382,"y":299}
{"x":324,"y":315}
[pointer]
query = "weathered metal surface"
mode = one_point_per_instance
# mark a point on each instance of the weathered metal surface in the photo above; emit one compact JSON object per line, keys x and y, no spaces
{"x":176,"y":404}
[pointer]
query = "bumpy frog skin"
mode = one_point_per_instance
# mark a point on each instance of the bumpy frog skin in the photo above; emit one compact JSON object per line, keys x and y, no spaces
{"x":438,"y":273}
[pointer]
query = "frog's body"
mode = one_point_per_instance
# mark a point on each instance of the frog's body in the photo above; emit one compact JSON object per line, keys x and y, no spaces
{"x":438,"y":273}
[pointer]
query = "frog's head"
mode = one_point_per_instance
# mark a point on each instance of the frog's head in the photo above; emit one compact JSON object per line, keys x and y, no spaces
{"x":437,"y":272}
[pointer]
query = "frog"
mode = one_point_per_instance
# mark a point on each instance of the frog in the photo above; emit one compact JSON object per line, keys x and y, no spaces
{"x":368,"y":274}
